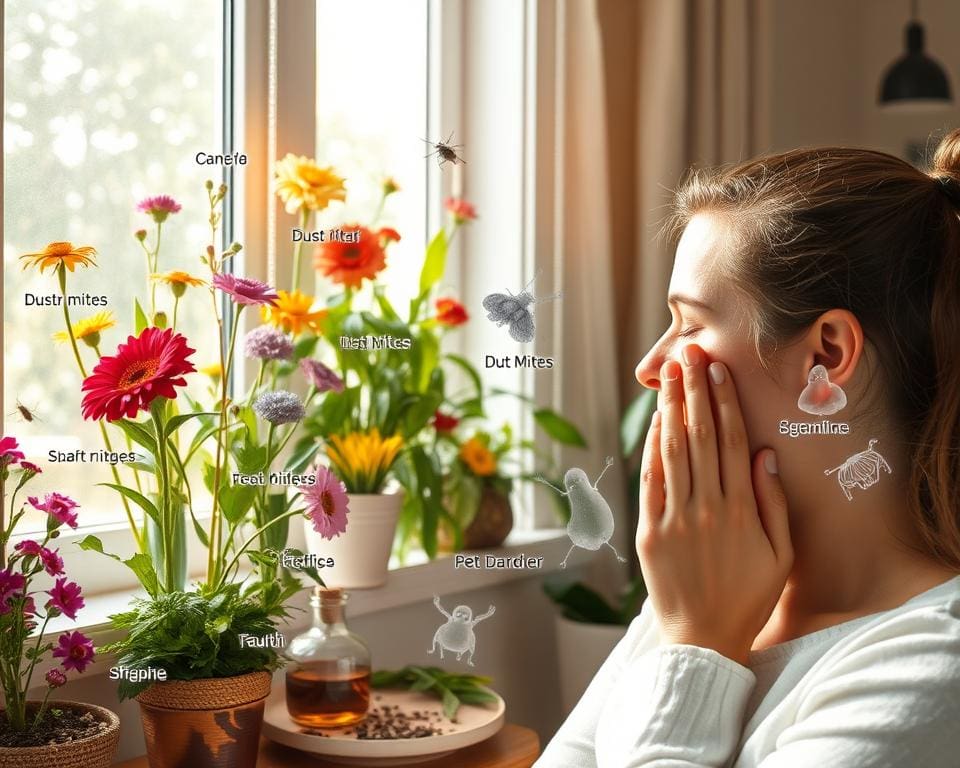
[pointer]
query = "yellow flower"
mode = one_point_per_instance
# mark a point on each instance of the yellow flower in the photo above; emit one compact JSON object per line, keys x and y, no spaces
{"x":302,"y":184}
{"x":293,"y":312}
{"x":88,"y":329}
{"x":478,"y":457}
{"x":214,"y":370}
{"x":57,"y":254}
{"x":363,"y":459}
{"x":178,"y":281}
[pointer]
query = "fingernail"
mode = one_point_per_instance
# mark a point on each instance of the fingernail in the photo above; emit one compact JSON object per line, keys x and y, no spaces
{"x":655,"y":421}
{"x":770,"y":462}
{"x":671,"y":370}
{"x":717,"y":374}
{"x":691,"y":355}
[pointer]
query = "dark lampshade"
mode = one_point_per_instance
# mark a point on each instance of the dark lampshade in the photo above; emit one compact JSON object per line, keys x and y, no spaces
{"x":915,"y":77}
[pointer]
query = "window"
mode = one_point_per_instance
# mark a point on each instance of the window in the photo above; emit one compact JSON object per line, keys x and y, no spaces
{"x":105,"y":103}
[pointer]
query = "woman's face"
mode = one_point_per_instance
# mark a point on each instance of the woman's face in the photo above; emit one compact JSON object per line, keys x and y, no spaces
{"x":706,"y":310}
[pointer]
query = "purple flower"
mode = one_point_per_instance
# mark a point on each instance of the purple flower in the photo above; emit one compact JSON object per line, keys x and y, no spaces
{"x":9,"y":454}
{"x":327,"y":503}
{"x":55,"y":678}
{"x":245,"y":290}
{"x":57,"y":506}
{"x":280,"y":407}
{"x":76,"y":650}
{"x":159,"y":207}
{"x":266,"y":343}
{"x":11,"y":587}
{"x":65,"y":597}
{"x":320,"y":376}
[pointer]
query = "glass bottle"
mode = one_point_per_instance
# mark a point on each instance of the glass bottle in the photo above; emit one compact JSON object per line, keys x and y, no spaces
{"x":328,"y":670}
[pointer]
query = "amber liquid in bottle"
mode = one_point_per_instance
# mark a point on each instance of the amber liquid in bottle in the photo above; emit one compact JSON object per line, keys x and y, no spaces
{"x":319,"y":696}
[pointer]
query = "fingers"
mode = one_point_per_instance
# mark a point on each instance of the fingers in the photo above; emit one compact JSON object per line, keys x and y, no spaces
{"x":673,"y":437}
{"x":701,"y":432}
{"x":651,"y":476}
{"x":772,"y":506}
{"x":731,"y":440}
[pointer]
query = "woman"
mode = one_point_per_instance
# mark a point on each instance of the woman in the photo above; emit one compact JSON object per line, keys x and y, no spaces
{"x":800,"y":506}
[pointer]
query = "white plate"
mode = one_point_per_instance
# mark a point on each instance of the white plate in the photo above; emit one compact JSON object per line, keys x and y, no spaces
{"x":340,"y":745}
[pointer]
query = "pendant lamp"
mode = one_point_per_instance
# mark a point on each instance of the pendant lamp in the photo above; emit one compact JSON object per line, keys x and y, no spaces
{"x":915,"y":80}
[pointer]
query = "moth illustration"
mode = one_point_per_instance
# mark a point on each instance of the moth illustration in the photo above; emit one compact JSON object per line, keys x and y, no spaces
{"x":515,"y":311}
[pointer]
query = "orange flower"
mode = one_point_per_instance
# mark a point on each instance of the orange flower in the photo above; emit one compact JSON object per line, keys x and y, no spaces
{"x":349,"y":263}
{"x":460,"y":209}
{"x":478,"y":457}
{"x":451,"y":312}
{"x":293,"y":312}
{"x":61,"y":254}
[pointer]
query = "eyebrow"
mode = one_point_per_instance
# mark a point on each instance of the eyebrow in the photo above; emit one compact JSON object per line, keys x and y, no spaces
{"x":679,"y":298}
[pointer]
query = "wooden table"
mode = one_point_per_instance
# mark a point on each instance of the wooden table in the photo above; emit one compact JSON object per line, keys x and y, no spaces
{"x":513,"y":747}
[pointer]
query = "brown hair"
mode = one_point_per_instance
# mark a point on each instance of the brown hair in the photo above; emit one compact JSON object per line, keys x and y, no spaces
{"x":817,"y":229}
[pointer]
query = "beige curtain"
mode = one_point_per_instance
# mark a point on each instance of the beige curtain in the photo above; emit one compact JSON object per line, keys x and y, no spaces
{"x":681,"y":90}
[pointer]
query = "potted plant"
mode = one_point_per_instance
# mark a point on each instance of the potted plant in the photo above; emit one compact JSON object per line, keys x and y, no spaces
{"x":49,"y":732}
{"x":198,"y":659}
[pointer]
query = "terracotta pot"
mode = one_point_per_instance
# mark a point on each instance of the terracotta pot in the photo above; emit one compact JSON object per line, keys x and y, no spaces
{"x":92,"y":752}
{"x":361,"y":554}
{"x":489,"y":527}
{"x":210,"y":723}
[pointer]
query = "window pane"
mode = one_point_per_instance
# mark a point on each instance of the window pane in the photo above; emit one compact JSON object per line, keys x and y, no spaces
{"x":371,"y":115}
{"x":105,"y":103}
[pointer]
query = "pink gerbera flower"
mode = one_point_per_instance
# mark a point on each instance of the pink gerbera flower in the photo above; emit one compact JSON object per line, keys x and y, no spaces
{"x":9,"y":454}
{"x":65,"y":597}
{"x":76,"y":650}
{"x":327,"y":503}
{"x":159,"y":207}
{"x":245,"y":290}
{"x":145,"y":367}
{"x":58,"y":506}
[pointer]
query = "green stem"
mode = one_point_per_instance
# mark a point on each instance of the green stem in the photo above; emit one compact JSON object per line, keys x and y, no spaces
{"x":153,"y":283}
{"x":298,"y":248}
{"x":253,"y":537}
{"x":36,"y":655}
{"x":163,"y":496}
{"x":176,"y":306}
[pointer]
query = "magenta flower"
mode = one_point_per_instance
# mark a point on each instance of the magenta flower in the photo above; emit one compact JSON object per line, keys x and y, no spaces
{"x":55,"y":678}
{"x":65,"y":597}
{"x":52,"y":562}
{"x":29,"y":607}
{"x":245,"y":290}
{"x":28,"y":548}
{"x":327,"y":503}
{"x":9,"y":454}
{"x":159,"y":207}
{"x":58,"y":506}
{"x":29,"y":466}
{"x":76,"y":650}
{"x":320,"y":376}
{"x":11,"y":588}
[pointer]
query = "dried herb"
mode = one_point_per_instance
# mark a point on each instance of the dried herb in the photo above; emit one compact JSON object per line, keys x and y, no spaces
{"x":452,"y":690}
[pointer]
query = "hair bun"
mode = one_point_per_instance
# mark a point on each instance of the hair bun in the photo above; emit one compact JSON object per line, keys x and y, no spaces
{"x":951,"y":188}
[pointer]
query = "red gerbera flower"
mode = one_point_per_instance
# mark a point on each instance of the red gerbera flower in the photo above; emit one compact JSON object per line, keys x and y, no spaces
{"x":444,"y":422}
{"x":451,"y":312}
{"x":147,"y":366}
{"x":351,"y":263}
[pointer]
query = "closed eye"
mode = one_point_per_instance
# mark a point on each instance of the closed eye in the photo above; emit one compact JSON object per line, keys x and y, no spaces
{"x":687,"y":332}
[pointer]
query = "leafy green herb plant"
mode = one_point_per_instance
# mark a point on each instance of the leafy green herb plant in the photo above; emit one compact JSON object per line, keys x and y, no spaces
{"x":453,"y":690}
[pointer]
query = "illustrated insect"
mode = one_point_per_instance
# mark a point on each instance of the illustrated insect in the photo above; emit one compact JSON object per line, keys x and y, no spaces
{"x":457,"y":635}
{"x":514,"y":311}
{"x":591,"y":521}
{"x":445,"y":151}
{"x":861,"y":470}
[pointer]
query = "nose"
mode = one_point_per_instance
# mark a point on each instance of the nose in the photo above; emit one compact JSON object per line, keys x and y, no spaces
{"x":647,"y":371}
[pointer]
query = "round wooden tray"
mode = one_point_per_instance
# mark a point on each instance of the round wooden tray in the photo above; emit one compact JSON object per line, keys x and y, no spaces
{"x":341,"y":745}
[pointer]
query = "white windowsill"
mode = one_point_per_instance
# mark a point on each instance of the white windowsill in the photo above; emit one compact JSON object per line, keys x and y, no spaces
{"x":405,"y":585}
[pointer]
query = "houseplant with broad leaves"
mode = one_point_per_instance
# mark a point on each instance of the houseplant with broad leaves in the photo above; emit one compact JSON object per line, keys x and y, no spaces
{"x":45,"y":732}
{"x":184,"y":645}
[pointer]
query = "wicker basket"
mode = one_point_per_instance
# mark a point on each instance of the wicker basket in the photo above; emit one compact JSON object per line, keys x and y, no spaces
{"x":211,"y":723}
{"x":92,"y":752}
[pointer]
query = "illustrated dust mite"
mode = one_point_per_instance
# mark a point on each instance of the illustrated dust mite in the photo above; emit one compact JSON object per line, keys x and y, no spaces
{"x":514,"y":311}
{"x":591,"y":520}
{"x":457,"y":634}
{"x":445,"y":151}
{"x":861,"y":470}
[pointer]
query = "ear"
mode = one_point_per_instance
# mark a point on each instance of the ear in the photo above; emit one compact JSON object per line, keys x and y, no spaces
{"x":835,"y":341}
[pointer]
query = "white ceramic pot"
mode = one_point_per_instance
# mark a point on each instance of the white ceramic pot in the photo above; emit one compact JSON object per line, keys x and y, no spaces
{"x":362,"y":553}
{"x":581,"y":649}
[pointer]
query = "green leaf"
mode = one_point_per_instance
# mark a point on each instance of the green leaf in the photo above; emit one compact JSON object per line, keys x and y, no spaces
{"x":175,"y":422}
{"x":309,"y":570}
{"x":581,"y":603}
{"x":636,"y":420}
{"x":141,"y":564}
{"x":464,"y":365}
{"x":450,"y":703}
{"x":305,"y":346}
{"x":137,"y":498}
{"x":435,"y":262}
{"x":139,"y":317}
{"x":558,"y":427}
{"x":236,"y":500}
{"x":303,"y":454}
{"x":141,"y":434}
{"x":385,"y":306}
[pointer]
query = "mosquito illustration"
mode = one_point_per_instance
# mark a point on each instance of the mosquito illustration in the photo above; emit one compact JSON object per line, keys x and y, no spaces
{"x":445,"y":151}
{"x":515,"y":311}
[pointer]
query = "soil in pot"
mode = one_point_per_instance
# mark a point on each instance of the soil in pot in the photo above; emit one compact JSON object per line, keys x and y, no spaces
{"x":59,"y":726}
